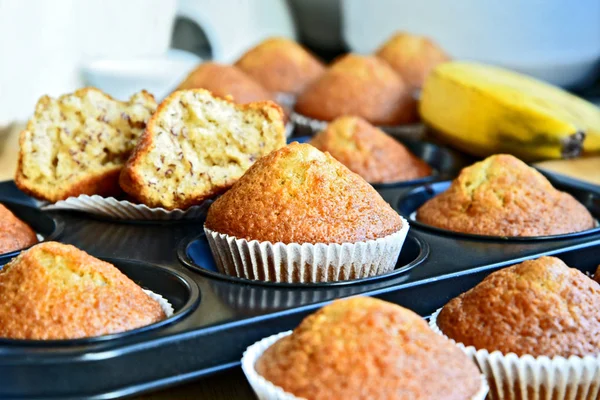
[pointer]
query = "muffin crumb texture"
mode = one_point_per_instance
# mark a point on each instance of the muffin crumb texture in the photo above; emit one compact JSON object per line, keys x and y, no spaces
{"x":369,"y":151}
{"x":14,"y":233}
{"x":196,"y":146}
{"x":539,"y":307}
{"x":78,"y":143}
{"x":502,"y":196}
{"x":363,"y":348}
{"x":56,"y":291}
{"x":299,"y":194}
{"x":364,"y":86}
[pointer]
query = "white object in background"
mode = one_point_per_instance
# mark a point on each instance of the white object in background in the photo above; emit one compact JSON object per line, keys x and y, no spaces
{"x":554,"y":40}
{"x":120,"y":78}
{"x":233,"y":26}
{"x":43,"y":43}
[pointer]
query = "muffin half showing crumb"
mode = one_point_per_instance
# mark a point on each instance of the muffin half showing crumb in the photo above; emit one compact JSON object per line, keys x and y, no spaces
{"x":503,"y":196}
{"x":298,"y":215}
{"x":532,"y":328}
{"x":369,"y":152}
{"x":196,"y":146}
{"x":78,"y":143}
{"x":14,"y":233}
{"x":362,"y":348}
{"x":56,"y":291}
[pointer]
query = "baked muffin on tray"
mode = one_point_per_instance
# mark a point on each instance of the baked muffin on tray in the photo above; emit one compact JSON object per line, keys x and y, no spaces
{"x":226,"y":80}
{"x":369,"y":151}
{"x":197,"y":145}
{"x":298,"y":215}
{"x":412,"y":56}
{"x":281,"y":65}
{"x":529,"y":327}
{"x":362,"y":348}
{"x":14,"y":233}
{"x":364,"y":86}
{"x":502,"y":196}
{"x":78,"y":143}
{"x":56,"y":291}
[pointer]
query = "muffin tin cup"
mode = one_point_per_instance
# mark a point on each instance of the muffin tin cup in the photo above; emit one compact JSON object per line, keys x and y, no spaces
{"x":266,"y":390}
{"x":307,"y":262}
{"x":112,"y":208}
{"x":513,"y":377}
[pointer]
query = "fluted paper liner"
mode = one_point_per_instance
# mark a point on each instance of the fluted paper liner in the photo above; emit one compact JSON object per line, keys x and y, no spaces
{"x":265,"y":390}
{"x":311,"y":126}
{"x":164,"y":303}
{"x":534,"y":378}
{"x":113,"y":208}
{"x":307,"y":262}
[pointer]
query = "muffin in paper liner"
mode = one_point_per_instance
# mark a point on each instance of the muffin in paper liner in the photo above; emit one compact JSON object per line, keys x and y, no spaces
{"x":513,"y":377}
{"x":113,"y":208}
{"x":266,"y":390}
{"x":307,"y":126}
{"x":164,"y":303}
{"x":307,"y":262}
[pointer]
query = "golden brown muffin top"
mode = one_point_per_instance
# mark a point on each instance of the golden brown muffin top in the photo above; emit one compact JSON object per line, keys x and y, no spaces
{"x":502,"y":196}
{"x":56,"y":291}
{"x":14,"y":233}
{"x":364,"y":86}
{"x":539,"y":307}
{"x":369,"y":151}
{"x":226,"y":80}
{"x":298,"y":194}
{"x":363,"y":348}
{"x":412,"y":56}
{"x":281,"y":65}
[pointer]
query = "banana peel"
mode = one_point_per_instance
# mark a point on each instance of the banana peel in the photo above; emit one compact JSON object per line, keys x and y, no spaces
{"x":484,"y":110}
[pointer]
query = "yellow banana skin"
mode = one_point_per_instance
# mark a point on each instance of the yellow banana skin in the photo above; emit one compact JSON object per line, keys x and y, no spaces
{"x":485,"y":110}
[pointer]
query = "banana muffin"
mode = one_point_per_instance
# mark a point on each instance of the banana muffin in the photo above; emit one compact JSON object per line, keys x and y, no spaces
{"x":539,"y":307}
{"x":364,"y":86}
{"x":364,"y":348}
{"x":300,"y":195}
{"x":412,"y":56}
{"x":78,"y":143}
{"x":14,"y":233}
{"x":197,"y":145}
{"x":502,"y":196}
{"x":369,"y":151}
{"x":56,"y":291}
{"x":281,"y":65}
{"x":226,"y":80}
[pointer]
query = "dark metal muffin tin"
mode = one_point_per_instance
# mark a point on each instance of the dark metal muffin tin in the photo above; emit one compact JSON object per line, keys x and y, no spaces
{"x":234,"y":313}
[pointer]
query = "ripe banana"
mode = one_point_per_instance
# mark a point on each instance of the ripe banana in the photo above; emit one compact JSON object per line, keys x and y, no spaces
{"x":484,"y":110}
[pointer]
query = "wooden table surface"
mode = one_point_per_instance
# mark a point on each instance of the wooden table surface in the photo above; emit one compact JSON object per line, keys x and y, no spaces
{"x":232,"y":384}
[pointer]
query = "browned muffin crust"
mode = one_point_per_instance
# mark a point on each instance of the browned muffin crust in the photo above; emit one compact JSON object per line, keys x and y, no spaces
{"x":369,"y":151}
{"x":502,"y":196}
{"x":364,"y":86}
{"x":56,"y":291}
{"x":363,"y":348}
{"x":14,"y":233}
{"x":539,"y":307}
{"x":412,"y":56}
{"x":281,"y":65}
{"x":226,"y":80}
{"x":300,"y":195}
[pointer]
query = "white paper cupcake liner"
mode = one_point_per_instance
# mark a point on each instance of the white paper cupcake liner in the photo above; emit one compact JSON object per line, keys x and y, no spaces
{"x":265,"y":390}
{"x":164,"y":303}
{"x":534,"y":378}
{"x":125,"y":210}
{"x":307,"y":262}
{"x":289,"y":129}
{"x":286,"y":99}
{"x":310,"y":126}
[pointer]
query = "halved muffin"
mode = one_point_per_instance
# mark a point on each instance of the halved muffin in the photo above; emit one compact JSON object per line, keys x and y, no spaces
{"x":56,"y":291}
{"x":369,"y":151}
{"x":364,"y":86}
{"x":503,"y":196}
